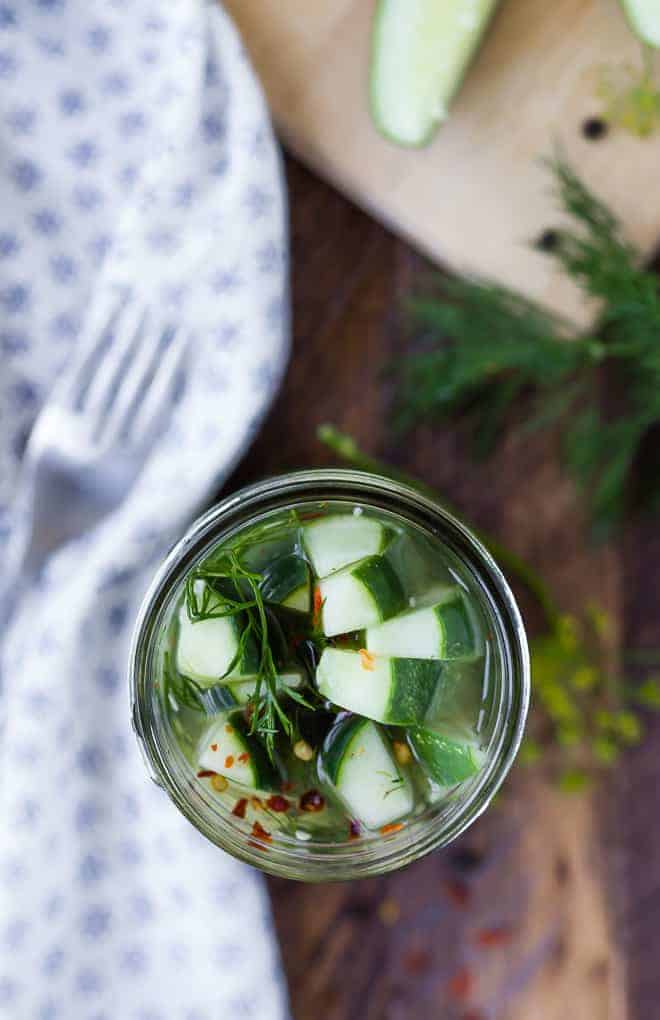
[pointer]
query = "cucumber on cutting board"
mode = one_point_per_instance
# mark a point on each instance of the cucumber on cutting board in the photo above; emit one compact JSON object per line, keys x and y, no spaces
{"x":360,"y":596}
{"x":206,"y":648}
{"x":420,"y":52}
{"x":356,"y":760}
{"x":444,"y":630}
{"x":243,"y":690}
{"x":394,"y":691}
{"x":334,"y":542}
{"x":229,"y":749}
{"x":448,"y":757}
{"x":644,"y":19}
{"x":287,"y":582}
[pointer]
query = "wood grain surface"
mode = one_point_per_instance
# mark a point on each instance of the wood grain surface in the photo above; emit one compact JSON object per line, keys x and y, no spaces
{"x":478,"y":195}
{"x":550,"y":906}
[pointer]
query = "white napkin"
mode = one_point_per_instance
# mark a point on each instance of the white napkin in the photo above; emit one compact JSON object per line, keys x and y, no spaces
{"x":115,"y":115}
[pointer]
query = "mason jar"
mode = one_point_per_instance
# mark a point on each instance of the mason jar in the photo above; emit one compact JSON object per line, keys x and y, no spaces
{"x":504,"y":712}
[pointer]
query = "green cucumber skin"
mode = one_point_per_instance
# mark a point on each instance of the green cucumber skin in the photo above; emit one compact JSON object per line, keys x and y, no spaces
{"x":629,"y":9}
{"x":374,"y":104}
{"x":454,"y":619}
{"x":337,"y":744}
{"x":413,"y":686}
{"x":265,"y":773}
{"x":377,"y":575}
{"x":283,"y":577}
{"x":447,"y":761}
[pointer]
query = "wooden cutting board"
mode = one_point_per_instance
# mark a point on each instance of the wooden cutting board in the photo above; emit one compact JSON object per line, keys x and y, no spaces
{"x":476,"y":196}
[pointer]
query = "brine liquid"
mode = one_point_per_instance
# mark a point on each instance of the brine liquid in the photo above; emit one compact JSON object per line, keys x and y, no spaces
{"x":305,"y":806}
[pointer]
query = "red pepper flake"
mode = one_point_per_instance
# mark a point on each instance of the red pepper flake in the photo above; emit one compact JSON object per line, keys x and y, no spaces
{"x":244,"y":757}
{"x":354,"y":829}
{"x":297,"y":640}
{"x":239,"y":807}
{"x":461,"y":984}
{"x":229,"y":761}
{"x":277,"y":803}
{"x":458,"y":892}
{"x":385,"y":830}
{"x":259,"y":832}
{"x":367,"y":660}
{"x":312,"y":515}
{"x":205,"y":773}
{"x":256,"y":803}
{"x":312,"y":801}
{"x":214,"y":747}
{"x":498,"y":935}
{"x":318,"y":606}
{"x":286,"y":787}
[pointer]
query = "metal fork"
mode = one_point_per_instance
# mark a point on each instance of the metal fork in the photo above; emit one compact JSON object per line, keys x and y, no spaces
{"x":94,"y":433}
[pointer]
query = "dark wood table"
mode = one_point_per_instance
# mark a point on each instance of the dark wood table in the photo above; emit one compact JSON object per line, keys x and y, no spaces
{"x":550,"y":906}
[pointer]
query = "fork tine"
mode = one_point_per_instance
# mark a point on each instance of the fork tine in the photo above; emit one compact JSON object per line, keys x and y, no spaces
{"x":96,"y":329}
{"x":150,"y":410}
{"x":137,"y":384}
{"x":114,"y":361}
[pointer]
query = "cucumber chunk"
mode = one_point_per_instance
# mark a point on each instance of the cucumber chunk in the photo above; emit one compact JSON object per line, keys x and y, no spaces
{"x":287,"y":582}
{"x":444,"y":630}
{"x":394,"y":691}
{"x":335,"y":542}
{"x":448,"y":757}
{"x":356,"y":760}
{"x":229,"y":749}
{"x":360,"y":596}
{"x":206,"y":648}
{"x":420,"y":52}
{"x":644,"y":19}
{"x":243,"y":690}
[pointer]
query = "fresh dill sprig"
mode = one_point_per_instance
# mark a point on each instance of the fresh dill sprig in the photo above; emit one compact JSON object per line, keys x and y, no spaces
{"x":486,"y":350}
{"x":235,"y":591}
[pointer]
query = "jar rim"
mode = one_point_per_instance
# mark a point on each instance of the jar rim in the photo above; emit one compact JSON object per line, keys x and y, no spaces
{"x":331,"y":861}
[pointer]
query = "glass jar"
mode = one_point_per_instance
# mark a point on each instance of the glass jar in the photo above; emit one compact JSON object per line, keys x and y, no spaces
{"x":506,"y":710}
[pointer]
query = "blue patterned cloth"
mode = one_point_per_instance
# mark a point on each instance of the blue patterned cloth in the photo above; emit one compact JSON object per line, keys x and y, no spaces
{"x":125,"y":126}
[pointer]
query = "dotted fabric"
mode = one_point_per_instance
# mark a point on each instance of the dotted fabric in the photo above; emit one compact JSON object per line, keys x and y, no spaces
{"x":132,"y":134}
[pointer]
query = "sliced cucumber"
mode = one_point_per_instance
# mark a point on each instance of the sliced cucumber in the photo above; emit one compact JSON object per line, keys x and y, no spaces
{"x":441,"y":631}
{"x":360,"y":596}
{"x":287,"y":582}
{"x":206,"y":648}
{"x":243,"y":690}
{"x":644,"y":19}
{"x":356,"y":760}
{"x":394,"y":691}
{"x":420,"y":52}
{"x":334,"y":542}
{"x":448,"y":757}
{"x":229,"y":749}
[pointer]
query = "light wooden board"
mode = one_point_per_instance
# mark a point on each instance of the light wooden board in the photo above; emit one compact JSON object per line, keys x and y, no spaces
{"x":477,"y":194}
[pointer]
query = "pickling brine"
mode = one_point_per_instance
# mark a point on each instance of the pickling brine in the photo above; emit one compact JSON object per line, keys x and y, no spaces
{"x":326,"y":673}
